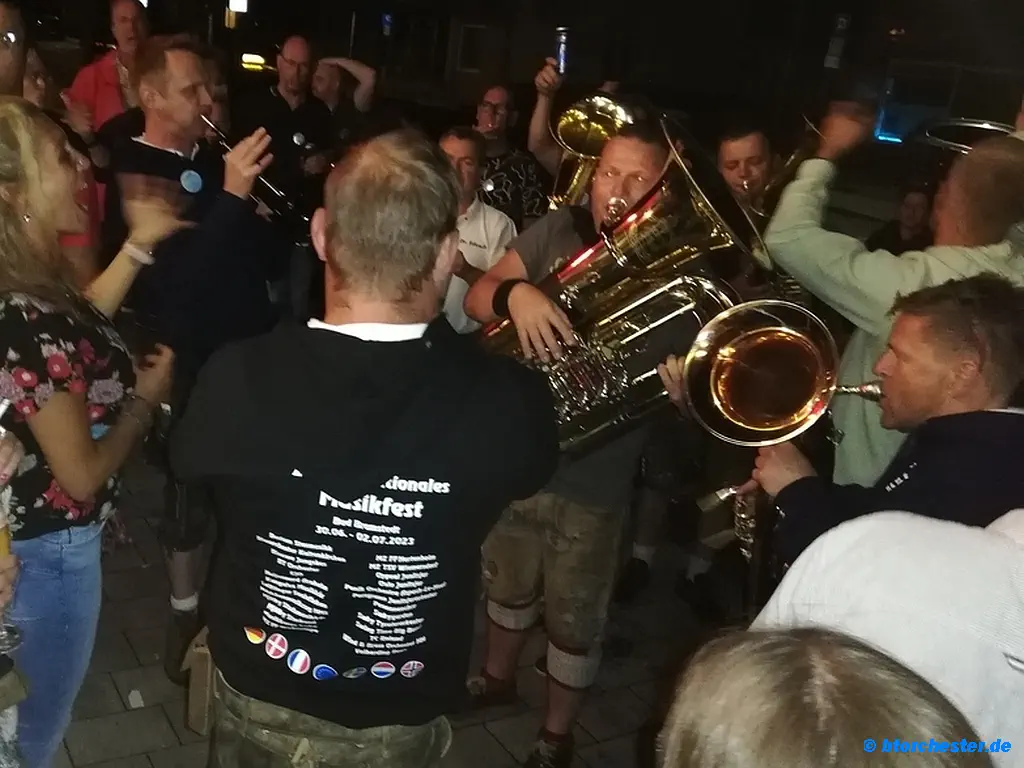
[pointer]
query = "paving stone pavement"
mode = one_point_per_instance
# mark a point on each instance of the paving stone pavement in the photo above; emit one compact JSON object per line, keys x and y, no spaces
{"x":129,"y":715}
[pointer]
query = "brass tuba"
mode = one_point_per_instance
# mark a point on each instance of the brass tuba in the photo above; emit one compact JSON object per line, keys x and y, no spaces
{"x":640,"y":294}
{"x":582,"y":131}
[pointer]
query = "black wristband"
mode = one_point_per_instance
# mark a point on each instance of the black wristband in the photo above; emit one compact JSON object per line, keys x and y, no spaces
{"x":500,"y":301}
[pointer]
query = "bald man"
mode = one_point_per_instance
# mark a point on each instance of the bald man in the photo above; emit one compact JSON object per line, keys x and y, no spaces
{"x":301,"y":130}
{"x":299,"y":125}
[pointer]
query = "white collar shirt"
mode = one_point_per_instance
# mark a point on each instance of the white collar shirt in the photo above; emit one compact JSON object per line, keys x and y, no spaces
{"x":484,"y":234}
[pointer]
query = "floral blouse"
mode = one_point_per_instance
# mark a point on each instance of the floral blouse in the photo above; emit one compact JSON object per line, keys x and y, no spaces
{"x":48,"y":350}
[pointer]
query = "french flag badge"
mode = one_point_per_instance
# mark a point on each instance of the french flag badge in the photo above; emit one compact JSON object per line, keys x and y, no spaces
{"x":298,"y":661}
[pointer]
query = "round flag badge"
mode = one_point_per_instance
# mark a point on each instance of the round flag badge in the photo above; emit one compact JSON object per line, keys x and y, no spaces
{"x":191,"y":181}
{"x":298,"y":661}
{"x":324,"y":672}
{"x":299,"y":140}
{"x":276,"y":646}
{"x":382,"y":670}
{"x":412,"y":668}
{"x":354,"y":674}
{"x":255,"y":636}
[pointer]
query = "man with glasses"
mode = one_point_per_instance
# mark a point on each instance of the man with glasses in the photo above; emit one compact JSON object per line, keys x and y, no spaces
{"x":300,"y":128}
{"x":513,"y":181}
{"x":299,"y":125}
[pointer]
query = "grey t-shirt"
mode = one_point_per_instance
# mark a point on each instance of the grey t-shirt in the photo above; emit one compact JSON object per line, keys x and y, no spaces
{"x":602,"y":478}
{"x":556,"y":235}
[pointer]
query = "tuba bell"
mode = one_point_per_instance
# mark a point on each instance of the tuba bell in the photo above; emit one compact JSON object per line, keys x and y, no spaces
{"x":582,"y":131}
{"x":640,"y":294}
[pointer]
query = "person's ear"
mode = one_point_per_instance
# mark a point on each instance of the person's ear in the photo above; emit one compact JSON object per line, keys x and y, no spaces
{"x":446,"y":257}
{"x":318,"y":233}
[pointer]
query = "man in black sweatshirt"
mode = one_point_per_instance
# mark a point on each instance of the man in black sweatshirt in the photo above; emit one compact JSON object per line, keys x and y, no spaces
{"x":955,"y":357}
{"x":357,"y":465}
{"x":208,"y":283}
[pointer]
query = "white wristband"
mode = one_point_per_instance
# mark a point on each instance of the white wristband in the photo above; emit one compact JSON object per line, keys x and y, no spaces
{"x":138,"y":255}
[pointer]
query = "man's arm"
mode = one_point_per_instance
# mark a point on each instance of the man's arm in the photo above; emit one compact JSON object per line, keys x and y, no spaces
{"x":543,"y":327}
{"x":366,"y":79}
{"x":858,"y":283}
{"x":539,"y":139}
{"x":812,"y":506}
{"x":479,"y":302}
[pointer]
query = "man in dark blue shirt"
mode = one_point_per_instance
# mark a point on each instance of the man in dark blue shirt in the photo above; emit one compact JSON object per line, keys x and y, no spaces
{"x":208,"y":283}
{"x":954,"y":360}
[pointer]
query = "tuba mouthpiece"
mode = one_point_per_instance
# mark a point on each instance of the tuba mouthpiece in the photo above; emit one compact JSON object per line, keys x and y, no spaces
{"x":615,"y":210}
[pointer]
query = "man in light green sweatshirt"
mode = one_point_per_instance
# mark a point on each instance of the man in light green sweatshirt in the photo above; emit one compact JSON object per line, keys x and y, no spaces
{"x":980,"y":200}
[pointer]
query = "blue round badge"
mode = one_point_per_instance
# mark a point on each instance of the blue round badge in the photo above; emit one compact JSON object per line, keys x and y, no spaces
{"x":324,"y":672}
{"x":191,"y":181}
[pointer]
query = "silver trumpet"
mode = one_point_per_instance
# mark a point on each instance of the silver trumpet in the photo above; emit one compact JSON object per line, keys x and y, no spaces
{"x":275,"y":200}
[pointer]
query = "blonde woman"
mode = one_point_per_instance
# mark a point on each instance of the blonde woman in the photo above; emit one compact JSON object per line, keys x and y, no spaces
{"x":79,"y":408}
{"x":808,"y":698}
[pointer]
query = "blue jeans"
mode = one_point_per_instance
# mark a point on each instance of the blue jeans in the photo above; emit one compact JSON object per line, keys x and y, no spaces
{"x":56,"y":607}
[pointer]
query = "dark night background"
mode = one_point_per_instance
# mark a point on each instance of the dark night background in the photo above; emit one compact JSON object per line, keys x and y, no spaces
{"x":923,"y":58}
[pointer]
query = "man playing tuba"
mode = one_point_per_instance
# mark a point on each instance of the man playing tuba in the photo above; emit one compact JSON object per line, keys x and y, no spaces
{"x":570,"y":532}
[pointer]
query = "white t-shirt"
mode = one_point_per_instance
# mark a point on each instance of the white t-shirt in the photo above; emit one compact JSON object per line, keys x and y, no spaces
{"x":484,"y":234}
{"x":945,"y":599}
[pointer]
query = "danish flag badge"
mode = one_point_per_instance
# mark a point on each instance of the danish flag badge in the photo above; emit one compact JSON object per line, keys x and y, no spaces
{"x":276,"y":646}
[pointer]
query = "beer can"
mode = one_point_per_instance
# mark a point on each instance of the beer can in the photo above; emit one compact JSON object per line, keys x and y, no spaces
{"x":561,"y":48}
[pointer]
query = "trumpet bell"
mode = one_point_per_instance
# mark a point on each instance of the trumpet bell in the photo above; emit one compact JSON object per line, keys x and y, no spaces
{"x":761,"y":373}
